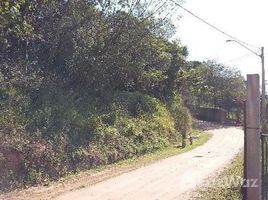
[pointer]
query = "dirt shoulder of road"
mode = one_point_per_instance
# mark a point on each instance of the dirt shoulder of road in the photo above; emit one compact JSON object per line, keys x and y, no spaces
{"x":226,"y":184}
{"x":90,"y":177}
{"x":172,"y":177}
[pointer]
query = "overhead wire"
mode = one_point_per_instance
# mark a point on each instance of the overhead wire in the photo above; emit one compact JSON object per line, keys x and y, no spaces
{"x":238,"y":58}
{"x":213,"y":26}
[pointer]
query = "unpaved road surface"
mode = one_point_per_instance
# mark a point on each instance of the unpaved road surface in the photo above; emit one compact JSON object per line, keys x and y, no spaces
{"x":171,"y":178}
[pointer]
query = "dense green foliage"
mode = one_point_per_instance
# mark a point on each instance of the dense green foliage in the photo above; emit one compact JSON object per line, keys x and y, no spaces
{"x":87,"y":82}
{"x":213,"y":85}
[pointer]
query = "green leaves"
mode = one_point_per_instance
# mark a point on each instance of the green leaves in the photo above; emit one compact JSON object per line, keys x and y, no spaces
{"x":212,"y":84}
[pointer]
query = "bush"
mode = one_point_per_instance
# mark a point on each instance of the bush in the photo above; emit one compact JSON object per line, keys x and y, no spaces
{"x":181,"y":115}
{"x":70,"y":131}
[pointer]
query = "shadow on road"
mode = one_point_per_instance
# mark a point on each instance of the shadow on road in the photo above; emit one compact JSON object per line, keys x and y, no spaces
{"x":205,"y":125}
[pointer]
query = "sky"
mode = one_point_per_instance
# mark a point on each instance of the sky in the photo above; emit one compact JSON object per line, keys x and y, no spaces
{"x":246,"y":20}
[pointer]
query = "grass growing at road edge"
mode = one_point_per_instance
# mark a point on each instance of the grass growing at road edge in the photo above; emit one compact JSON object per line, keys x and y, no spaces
{"x":139,"y":161}
{"x":228,"y":191}
{"x":167,"y":152}
{"x":85,"y":178}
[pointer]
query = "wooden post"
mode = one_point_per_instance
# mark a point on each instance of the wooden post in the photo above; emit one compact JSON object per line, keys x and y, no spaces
{"x":253,"y":146}
{"x":244,"y":191}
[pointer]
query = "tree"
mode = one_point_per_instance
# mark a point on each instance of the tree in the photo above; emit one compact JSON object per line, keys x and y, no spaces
{"x":212,"y":84}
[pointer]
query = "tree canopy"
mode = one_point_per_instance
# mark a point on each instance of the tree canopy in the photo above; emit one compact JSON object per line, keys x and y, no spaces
{"x":89,"y":82}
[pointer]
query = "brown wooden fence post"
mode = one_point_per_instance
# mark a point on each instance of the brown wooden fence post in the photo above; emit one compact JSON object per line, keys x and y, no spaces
{"x":252,"y":144}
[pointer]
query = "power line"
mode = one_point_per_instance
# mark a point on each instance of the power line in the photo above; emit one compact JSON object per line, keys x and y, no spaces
{"x":213,"y":26}
{"x":238,"y":58}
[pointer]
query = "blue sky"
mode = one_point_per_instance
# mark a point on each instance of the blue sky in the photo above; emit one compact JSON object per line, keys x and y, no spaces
{"x":244,"y":19}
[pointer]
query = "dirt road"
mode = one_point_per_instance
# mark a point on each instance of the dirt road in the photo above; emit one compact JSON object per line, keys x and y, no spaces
{"x":171,"y":178}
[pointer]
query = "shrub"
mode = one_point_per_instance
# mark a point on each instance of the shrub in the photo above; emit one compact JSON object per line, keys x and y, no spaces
{"x":69,"y":131}
{"x":181,"y":115}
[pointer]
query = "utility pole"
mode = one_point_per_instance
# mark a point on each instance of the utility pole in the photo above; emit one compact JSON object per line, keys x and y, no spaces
{"x":252,"y":149}
{"x":263,"y":101}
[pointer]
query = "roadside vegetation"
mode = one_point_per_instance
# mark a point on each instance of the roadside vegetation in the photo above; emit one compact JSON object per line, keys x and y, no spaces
{"x":229,"y":189}
{"x":89,"y":83}
{"x":84,"y":178}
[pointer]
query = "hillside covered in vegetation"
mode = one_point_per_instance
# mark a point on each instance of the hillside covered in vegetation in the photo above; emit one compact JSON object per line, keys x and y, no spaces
{"x":85,"y":83}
